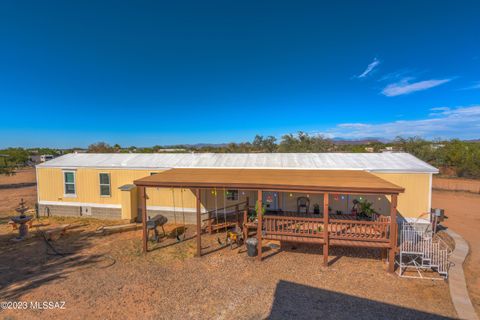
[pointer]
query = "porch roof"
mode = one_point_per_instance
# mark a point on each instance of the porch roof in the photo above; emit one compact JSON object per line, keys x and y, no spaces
{"x":338,"y":181}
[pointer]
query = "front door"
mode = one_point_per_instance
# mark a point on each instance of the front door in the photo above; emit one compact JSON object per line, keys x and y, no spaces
{"x":270,"y":200}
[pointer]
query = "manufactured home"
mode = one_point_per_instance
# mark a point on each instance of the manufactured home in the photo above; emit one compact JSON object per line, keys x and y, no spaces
{"x":309,"y":186}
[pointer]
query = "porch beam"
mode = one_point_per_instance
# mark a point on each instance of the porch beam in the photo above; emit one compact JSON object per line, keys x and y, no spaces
{"x":259,"y":225}
{"x":285,"y":189}
{"x":199,"y":223}
{"x":393,"y":233}
{"x":143,"y":208}
{"x":325,"y":229}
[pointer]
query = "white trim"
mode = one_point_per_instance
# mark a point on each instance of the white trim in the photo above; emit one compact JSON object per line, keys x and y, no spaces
{"x":430,"y":194}
{"x":117,"y":206}
{"x":79,"y":204}
{"x":37,"y":185}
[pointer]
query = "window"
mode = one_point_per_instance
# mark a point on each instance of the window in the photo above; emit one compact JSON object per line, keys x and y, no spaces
{"x":105,"y":184}
{"x":69,"y":182}
{"x":232,"y":195}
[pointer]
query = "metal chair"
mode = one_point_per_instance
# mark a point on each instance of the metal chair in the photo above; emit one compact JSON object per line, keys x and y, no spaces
{"x":303,"y":203}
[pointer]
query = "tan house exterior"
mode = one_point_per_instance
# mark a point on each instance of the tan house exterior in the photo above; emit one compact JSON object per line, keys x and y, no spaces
{"x":101,"y":185}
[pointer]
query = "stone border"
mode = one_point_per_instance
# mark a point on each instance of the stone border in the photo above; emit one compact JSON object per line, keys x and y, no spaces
{"x":456,"y":278}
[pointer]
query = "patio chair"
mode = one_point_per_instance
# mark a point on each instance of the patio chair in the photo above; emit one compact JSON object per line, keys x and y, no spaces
{"x":303,"y":203}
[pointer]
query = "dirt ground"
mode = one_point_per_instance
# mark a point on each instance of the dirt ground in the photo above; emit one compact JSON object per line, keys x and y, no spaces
{"x":108,"y":277}
{"x":9,"y":198}
{"x":463,"y":212}
{"x":21,"y":175}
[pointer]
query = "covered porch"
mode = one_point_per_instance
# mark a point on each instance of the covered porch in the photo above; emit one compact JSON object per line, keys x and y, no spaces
{"x":318,"y":226}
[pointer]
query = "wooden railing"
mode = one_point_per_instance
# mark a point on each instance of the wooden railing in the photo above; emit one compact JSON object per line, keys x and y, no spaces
{"x":280,"y":227}
{"x":238,"y":207}
{"x":291,"y":225}
{"x":359,"y":230}
{"x":222,"y":218}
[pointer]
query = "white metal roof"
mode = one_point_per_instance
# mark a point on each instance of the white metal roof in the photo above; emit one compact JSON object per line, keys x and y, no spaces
{"x":375,"y":162}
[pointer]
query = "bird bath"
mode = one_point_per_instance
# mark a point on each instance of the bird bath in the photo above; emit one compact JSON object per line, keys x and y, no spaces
{"x":21,"y":220}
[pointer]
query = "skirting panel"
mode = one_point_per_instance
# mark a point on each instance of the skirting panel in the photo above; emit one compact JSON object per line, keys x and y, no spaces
{"x":79,"y":211}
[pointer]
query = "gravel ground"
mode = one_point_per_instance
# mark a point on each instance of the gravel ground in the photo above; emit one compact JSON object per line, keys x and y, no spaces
{"x":108,"y":277}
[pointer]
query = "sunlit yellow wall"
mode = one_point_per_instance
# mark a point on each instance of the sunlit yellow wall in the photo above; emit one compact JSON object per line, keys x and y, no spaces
{"x":50,"y":187}
{"x":129,"y":203}
{"x":416,"y":198}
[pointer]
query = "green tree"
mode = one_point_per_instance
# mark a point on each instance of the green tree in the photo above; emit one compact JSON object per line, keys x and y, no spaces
{"x":303,"y":142}
{"x":100,"y":147}
{"x":267,"y":144}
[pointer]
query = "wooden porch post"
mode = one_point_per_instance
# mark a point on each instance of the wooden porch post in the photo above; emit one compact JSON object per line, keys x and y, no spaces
{"x":199,"y":224}
{"x":245,"y":220}
{"x":259,"y":226}
{"x":393,"y":233}
{"x":325,"y":229}
{"x":143,"y":206}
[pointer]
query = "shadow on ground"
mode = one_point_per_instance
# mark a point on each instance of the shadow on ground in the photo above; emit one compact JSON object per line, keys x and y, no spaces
{"x":295,"y":301}
{"x":33,"y":262}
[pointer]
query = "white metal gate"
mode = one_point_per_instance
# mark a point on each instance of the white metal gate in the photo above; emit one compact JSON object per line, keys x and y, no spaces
{"x":421,"y":250}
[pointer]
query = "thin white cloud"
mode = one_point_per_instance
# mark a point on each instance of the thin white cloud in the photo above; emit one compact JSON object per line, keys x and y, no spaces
{"x":370,"y":68}
{"x":405,"y":86}
{"x":440,"y":109}
{"x":461,"y":122}
{"x":476,"y":85}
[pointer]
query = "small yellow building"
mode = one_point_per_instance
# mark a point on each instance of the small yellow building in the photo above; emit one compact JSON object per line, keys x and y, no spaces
{"x":101,"y":185}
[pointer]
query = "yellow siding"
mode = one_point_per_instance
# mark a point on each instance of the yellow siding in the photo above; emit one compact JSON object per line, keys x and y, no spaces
{"x":50,"y":187}
{"x":129,"y":204}
{"x":416,"y":198}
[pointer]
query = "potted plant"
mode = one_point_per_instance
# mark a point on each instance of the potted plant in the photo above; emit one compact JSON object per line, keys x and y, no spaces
{"x":365,"y":208}
{"x":254,"y":213}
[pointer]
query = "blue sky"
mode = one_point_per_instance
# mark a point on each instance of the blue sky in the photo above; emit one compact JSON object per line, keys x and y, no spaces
{"x":152,"y":72}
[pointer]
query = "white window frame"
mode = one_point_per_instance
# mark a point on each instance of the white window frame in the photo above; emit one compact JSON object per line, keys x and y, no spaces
{"x":109,"y":185}
{"x":65,"y":194}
